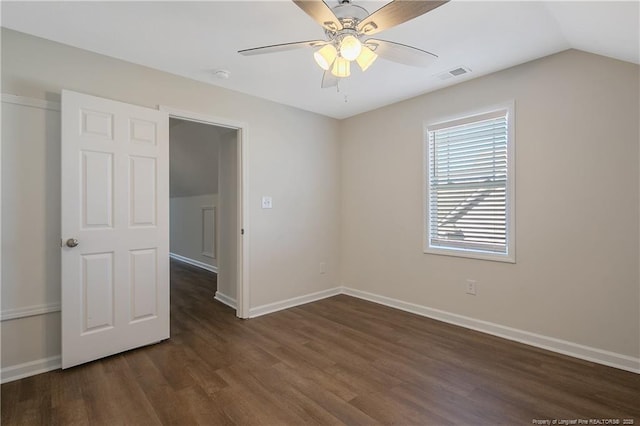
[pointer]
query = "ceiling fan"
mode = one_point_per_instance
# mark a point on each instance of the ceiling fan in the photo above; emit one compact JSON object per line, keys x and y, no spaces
{"x":348,"y":28}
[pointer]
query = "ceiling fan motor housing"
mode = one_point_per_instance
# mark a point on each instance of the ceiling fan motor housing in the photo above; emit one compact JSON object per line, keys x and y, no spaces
{"x":349,"y":14}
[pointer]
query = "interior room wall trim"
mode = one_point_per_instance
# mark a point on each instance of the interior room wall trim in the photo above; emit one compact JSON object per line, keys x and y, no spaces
{"x":210,"y":252}
{"x":31,"y":368}
{"x":31,"y":102}
{"x":193,"y":262}
{"x":564,"y":347}
{"x":29,"y":311}
{"x":223,"y":298}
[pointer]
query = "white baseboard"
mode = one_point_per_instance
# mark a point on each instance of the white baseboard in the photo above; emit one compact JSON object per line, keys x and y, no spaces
{"x":295,"y":301}
{"x":599,"y":356}
{"x":193,"y":262}
{"x":29,"y":311}
{"x":223,"y":298}
{"x":611,"y":359}
{"x":20,"y":371}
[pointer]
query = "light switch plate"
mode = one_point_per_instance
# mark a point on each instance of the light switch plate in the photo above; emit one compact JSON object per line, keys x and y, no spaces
{"x":267,"y":202}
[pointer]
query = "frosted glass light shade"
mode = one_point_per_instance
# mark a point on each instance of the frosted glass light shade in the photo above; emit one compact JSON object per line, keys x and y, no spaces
{"x":341,"y":67}
{"x":366,"y":58}
{"x":350,"y":48}
{"x":326,"y":56}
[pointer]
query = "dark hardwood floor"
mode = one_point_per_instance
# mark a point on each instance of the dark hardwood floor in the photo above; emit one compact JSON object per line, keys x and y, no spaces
{"x":337,"y":361}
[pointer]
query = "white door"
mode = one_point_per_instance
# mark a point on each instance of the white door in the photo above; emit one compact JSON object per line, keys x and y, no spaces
{"x":115,"y":203}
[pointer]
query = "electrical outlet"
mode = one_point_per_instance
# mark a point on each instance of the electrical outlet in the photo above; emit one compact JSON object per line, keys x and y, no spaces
{"x":323,"y":267}
{"x":471,"y":287}
{"x":267,"y":202}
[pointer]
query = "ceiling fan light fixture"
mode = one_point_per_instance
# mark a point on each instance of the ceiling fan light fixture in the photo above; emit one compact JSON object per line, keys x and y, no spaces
{"x":326,"y":56}
{"x":347,"y":28}
{"x":341,"y":67}
{"x":366,"y":58}
{"x":350,"y":48}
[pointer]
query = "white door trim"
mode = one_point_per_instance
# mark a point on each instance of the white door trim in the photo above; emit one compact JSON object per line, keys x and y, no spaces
{"x":242,"y":310}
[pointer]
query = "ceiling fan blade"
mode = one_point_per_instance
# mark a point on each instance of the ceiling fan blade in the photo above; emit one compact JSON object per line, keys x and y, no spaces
{"x":281,"y":47}
{"x":321,"y":13}
{"x":395,"y":13}
{"x":329,"y":80}
{"x":401,"y":53}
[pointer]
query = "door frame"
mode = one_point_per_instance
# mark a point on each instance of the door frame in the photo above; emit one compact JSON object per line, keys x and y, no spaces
{"x":242,"y":286}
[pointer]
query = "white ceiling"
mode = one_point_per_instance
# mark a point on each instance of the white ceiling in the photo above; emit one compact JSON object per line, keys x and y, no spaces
{"x":192,"y":39}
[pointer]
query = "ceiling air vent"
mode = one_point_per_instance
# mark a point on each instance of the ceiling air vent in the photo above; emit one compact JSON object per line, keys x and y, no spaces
{"x":456,"y":72}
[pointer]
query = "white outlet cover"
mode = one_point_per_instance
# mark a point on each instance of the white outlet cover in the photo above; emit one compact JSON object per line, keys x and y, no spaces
{"x":267,"y":202}
{"x":471,"y":287}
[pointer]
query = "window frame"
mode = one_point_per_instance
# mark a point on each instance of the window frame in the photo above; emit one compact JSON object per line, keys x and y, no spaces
{"x":457,"y":119}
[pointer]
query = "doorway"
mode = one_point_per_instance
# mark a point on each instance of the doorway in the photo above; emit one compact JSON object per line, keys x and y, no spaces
{"x":207,"y":208}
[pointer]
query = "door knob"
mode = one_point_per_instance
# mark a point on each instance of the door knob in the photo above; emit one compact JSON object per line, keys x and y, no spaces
{"x":72,"y":242}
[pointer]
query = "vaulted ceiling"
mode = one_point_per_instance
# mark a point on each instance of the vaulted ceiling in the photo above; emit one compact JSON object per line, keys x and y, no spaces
{"x":193,"y":39}
{"x":193,"y":149}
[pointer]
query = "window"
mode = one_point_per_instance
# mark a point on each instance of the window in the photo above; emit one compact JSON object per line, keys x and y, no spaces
{"x":469,"y":195}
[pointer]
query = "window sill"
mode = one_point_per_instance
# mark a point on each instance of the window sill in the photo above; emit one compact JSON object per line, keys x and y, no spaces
{"x":471,"y":254}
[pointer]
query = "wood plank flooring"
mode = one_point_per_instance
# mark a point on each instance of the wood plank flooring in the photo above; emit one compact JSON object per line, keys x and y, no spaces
{"x":337,"y":361}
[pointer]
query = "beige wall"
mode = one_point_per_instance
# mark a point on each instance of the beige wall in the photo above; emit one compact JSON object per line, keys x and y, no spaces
{"x":30,"y":231}
{"x":577,"y":241}
{"x":187,"y":228}
{"x":228,"y":219}
{"x":292,"y":155}
{"x":577,"y":270}
{"x":193,"y":156}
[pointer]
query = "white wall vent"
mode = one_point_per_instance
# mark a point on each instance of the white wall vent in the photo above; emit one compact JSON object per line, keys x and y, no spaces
{"x":455,"y":72}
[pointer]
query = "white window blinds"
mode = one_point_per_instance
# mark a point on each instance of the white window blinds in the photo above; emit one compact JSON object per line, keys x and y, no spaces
{"x":468,"y":184}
